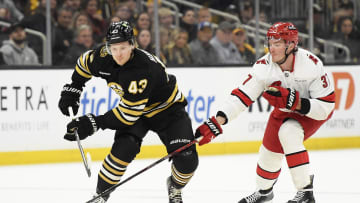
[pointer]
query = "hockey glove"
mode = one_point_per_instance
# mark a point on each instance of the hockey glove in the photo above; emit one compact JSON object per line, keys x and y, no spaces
{"x":85,"y":126}
{"x":208,"y":130}
{"x":280,"y":97}
{"x":70,"y":96}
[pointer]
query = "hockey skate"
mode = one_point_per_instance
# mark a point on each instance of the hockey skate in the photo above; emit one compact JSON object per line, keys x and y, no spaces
{"x":173,"y":192}
{"x":99,"y":200}
{"x":102,"y":199}
{"x":305,"y":195}
{"x":261,"y":196}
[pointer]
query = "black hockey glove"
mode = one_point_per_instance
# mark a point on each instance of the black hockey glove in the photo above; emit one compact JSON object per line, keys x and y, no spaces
{"x":84,"y":125}
{"x":70,"y":96}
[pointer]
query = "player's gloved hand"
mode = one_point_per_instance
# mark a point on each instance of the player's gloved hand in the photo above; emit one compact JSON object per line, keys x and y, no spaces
{"x":70,"y":96}
{"x":280,"y":97}
{"x":208,"y":130}
{"x":85,"y":126}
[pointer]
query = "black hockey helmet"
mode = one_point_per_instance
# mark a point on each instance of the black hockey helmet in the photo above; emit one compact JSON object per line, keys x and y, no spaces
{"x":119,"y":32}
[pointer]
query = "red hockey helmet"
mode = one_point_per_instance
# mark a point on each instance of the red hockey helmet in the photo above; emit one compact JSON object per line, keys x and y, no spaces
{"x":283,"y":30}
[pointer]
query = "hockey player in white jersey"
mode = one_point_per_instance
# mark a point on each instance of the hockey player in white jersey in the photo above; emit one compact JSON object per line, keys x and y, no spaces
{"x":296,"y":84}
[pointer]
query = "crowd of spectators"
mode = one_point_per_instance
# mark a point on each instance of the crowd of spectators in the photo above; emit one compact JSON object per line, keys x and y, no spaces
{"x":200,"y":39}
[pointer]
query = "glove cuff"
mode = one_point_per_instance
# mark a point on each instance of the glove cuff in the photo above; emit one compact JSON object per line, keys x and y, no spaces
{"x":305,"y":106}
{"x":92,"y":120}
{"x":100,"y":121}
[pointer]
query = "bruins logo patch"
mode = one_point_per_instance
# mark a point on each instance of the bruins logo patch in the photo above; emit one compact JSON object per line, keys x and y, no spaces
{"x":103,"y":52}
{"x":117,"y":88}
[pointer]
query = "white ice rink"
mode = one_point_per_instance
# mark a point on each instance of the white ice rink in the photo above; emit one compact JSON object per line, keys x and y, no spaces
{"x":219,"y":179}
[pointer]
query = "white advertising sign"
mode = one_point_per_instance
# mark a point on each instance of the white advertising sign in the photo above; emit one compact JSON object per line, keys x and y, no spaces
{"x":31,"y":120}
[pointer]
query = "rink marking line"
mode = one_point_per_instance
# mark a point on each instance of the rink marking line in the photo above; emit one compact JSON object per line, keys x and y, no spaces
{"x":155,"y":151}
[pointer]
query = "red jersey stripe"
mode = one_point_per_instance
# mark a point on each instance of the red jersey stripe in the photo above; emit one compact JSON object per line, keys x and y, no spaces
{"x":330,"y":98}
{"x":242,"y":96}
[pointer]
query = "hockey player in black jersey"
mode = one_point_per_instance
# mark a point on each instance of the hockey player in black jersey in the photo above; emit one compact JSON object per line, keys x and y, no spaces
{"x":149,"y":100}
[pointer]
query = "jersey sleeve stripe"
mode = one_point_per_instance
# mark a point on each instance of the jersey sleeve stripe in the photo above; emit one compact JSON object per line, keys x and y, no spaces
{"x":130,"y":111}
{"x":244,"y":98}
{"x":81,"y":72}
{"x":135,"y":108}
{"x":182,"y":98}
{"x":137,"y":103}
{"x":119,"y":116}
{"x":152,"y":106}
{"x":330,"y":98}
{"x":128,"y":117}
{"x":174,"y":95}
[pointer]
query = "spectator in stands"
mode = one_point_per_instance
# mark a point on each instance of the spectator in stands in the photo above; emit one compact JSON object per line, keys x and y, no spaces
{"x":142,"y":22}
{"x":15,"y":14}
{"x":15,"y":51}
{"x":124,"y":13}
{"x":348,"y":6}
{"x":178,"y":53}
{"x":133,"y":9}
{"x":247,"y":51}
{"x":37,"y":21}
{"x":188,"y":23}
{"x":225,"y":48}
{"x":204,"y":15}
{"x":247,"y":12}
{"x":346,"y":9}
{"x":347,"y":36}
{"x":166,"y":20}
{"x":78,"y":19}
{"x":202,"y":52}
{"x":83,"y":41}
{"x":91,"y":8}
{"x":164,"y":43}
{"x":63,"y":35}
{"x":74,"y":5}
{"x":143,"y":40}
{"x":150,"y":7}
{"x":4,"y":16}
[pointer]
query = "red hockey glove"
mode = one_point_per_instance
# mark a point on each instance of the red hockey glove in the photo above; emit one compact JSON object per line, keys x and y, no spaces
{"x":208,"y":130}
{"x":280,"y":97}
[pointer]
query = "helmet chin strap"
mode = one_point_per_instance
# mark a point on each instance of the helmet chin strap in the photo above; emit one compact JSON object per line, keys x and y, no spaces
{"x":285,"y":58}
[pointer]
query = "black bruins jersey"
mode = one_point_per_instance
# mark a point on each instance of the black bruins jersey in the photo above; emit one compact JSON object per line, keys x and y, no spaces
{"x":144,"y":87}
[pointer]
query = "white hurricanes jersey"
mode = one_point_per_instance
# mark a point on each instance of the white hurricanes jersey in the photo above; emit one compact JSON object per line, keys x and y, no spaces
{"x":307,"y":76}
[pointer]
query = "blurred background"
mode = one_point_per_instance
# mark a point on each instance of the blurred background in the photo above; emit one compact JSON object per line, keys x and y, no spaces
{"x":56,"y":32}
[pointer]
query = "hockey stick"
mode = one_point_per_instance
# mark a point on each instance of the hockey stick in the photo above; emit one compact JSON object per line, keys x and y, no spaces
{"x":107,"y":191}
{"x":87,"y":159}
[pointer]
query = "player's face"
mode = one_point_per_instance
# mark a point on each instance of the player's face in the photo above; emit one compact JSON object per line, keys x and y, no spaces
{"x":121,"y":52}
{"x":277,"y":49}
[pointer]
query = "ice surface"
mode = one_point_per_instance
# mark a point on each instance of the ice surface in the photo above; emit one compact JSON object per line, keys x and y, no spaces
{"x":218,"y":179}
